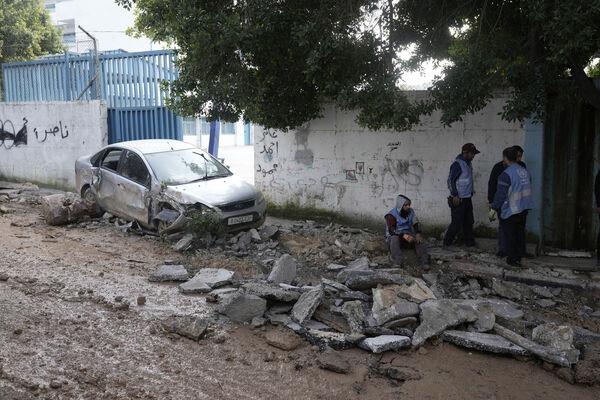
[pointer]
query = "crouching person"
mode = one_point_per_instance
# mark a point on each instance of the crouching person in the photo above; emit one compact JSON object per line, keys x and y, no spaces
{"x":402,"y":230}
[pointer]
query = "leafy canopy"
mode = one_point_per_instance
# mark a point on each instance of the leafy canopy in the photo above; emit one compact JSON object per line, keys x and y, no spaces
{"x":278,"y":62}
{"x":26,"y":31}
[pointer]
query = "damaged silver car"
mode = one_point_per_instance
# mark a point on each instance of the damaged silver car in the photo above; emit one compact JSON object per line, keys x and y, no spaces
{"x":160,"y":183}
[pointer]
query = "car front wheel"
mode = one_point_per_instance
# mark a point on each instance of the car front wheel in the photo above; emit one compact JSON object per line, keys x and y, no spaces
{"x":89,"y":198}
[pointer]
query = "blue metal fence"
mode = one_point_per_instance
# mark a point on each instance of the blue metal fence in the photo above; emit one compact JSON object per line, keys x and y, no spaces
{"x":130,"y":83}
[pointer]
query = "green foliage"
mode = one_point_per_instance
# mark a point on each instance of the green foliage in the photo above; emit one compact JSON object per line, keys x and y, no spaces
{"x":26,"y":31}
{"x":206,"y":223}
{"x":278,"y":63}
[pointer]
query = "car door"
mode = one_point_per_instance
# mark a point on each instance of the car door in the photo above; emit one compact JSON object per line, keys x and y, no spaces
{"x":135,"y":185}
{"x":107,"y":190}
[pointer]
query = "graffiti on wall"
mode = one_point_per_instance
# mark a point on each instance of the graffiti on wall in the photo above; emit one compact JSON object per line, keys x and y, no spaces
{"x":11,"y":137}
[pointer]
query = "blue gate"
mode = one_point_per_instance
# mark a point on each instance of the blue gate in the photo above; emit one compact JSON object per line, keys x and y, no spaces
{"x":130,"y":83}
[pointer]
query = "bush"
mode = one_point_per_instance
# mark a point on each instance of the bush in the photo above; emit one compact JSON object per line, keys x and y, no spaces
{"x":206,"y":224}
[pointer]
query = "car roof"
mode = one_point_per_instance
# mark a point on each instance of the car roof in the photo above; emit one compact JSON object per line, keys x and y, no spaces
{"x":149,"y":146}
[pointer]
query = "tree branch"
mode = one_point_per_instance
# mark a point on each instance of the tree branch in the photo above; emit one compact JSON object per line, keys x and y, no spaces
{"x":587,"y":89}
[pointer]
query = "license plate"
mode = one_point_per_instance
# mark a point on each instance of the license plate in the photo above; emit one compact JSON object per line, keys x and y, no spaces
{"x":240,"y":220}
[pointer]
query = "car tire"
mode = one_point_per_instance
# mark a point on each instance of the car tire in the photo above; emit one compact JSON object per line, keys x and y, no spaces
{"x":88,"y":197}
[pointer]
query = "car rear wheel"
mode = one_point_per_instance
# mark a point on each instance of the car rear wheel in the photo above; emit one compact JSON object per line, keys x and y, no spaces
{"x":88,"y":196}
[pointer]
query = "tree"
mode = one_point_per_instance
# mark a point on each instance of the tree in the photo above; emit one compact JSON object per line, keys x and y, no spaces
{"x":278,"y":63}
{"x":26,"y":31}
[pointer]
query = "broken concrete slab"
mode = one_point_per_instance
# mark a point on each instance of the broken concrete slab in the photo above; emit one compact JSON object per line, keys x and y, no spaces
{"x":507,"y":290}
{"x":416,"y":292}
{"x":207,"y":279}
{"x":354,"y":313}
{"x":189,"y":326}
{"x":254,"y":235}
{"x":217,"y":294}
{"x":323,"y":314}
{"x":354,"y":295}
{"x":564,"y":358}
{"x":328,"y":283}
{"x":545,"y":303}
{"x":503,"y":309}
{"x":387,"y":306}
{"x":284,"y":270}
{"x":485,"y":318}
{"x":484,"y":342}
{"x":587,"y":370}
{"x":559,"y":337}
{"x":385,"y":343}
{"x":65,"y":208}
{"x":184,"y":243}
{"x":271,"y":291}
{"x":584,"y":336}
{"x":473,"y":270}
{"x":362,"y":264}
{"x":407,"y":322}
{"x":283,"y":339}
{"x":307,"y":304}
{"x":335,"y":267}
{"x":331,"y":360}
{"x":335,"y":340}
{"x":543,"y":280}
{"x":370,"y":279}
{"x":242,"y":307}
{"x":170,"y":273}
{"x":438,"y":315}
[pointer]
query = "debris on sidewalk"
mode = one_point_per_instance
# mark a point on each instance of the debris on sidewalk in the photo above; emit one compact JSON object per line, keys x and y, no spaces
{"x":66,"y":208}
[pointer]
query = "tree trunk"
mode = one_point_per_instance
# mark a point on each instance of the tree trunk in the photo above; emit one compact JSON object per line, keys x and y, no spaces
{"x":587,"y":89}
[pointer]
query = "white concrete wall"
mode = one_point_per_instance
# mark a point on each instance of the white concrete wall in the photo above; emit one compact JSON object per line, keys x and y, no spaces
{"x":332,"y":163}
{"x":57,"y":133}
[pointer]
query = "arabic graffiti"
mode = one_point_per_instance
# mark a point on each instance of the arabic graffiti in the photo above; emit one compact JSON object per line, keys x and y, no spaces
{"x":264,"y":172}
{"x":8,"y":137}
{"x":64,"y":132}
{"x":268,"y":151}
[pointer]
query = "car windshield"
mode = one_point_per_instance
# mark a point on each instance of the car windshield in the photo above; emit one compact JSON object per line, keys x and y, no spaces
{"x":185,"y":166}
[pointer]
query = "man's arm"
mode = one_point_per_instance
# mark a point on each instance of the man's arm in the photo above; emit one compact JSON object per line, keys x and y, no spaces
{"x":391,"y":224}
{"x":501,"y":191}
{"x":455,"y":172}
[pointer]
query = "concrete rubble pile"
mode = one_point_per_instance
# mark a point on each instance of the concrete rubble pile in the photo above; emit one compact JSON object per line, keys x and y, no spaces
{"x":379,"y":308}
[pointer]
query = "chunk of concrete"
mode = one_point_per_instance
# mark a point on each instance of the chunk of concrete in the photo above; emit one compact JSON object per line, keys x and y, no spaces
{"x":267,"y":232}
{"x":438,"y":315}
{"x":355,"y":315}
{"x":335,"y":267}
{"x":323,"y":314}
{"x":556,"y":336}
{"x":283,"y":339}
{"x":385,"y":343}
{"x":189,"y":326}
{"x":362,"y":264}
{"x":484,"y":342}
{"x":65,"y":208}
{"x":370,"y":279}
{"x":271,"y":291}
{"x":335,"y":340}
{"x":284,"y":270}
{"x":184,"y":243}
{"x":507,"y":290}
{"x":170,"y":273}
{"x":307,"y":304}
{"x":485,"y":319}
{"x":207,"y":278}
{"x":417,"y":291}
{"x":387,"y":306}
{"x":331,"y":360}
{"x":242,"y":307}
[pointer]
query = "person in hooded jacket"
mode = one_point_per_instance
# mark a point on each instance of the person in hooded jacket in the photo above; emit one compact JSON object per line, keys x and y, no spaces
{"x":402,"y":230}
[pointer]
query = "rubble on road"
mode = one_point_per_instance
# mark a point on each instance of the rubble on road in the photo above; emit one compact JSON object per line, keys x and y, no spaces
{"x":206,"y":279}
{"x":189,"y":326}
{"x":65,"y":208}
{"x":170,"y":273}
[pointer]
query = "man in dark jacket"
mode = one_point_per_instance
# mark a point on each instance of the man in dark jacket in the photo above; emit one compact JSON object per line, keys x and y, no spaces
{"x":513,"y":201}
{"x":460,"y":185}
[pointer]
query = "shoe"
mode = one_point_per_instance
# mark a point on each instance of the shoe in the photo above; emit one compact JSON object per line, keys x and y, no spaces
{"x":500,"y":254}
{"x":515,"y":264}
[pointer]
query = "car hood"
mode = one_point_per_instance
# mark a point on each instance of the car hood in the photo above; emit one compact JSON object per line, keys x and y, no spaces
{"x":213,"y":192}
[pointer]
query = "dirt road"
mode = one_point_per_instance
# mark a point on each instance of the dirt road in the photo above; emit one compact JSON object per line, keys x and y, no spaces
{"x":64,"y":334}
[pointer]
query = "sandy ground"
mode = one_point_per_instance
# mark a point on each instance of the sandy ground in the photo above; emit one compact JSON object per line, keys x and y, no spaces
{"x":62,"y":338}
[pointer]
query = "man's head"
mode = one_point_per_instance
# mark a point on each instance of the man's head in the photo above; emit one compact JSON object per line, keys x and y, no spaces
{"x":469,"y":151}
{"x":509,"y":156}
{"x":520,"y":152}
{"x":403,"y":204}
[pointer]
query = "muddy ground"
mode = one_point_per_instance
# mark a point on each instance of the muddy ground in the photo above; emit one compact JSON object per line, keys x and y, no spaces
{"x":65,"y":335}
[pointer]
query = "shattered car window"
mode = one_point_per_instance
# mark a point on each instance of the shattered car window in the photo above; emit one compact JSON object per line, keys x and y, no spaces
{"x":185,"y":166}
{"x":111,"y":161}
{"x":135,"y":169}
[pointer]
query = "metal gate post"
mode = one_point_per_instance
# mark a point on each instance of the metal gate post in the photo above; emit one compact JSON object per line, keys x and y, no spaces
{"x":213,"y":141}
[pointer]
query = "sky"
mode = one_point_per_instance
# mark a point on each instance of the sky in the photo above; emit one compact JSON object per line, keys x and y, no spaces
{"x":106,"y":21}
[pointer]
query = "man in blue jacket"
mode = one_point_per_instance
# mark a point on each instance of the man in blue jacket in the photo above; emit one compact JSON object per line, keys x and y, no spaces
{"x":513,"y":201}
{"x":460,"y":184}
{"x":402,"y":229}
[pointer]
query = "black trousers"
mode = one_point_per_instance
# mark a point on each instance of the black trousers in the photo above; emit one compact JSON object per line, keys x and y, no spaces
{"x":462,"y":219}
{"x":514,"y":234}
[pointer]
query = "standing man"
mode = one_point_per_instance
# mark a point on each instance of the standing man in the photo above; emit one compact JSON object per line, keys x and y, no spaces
{"x":460,"y":184}
{"x":512,"y":202}
{"x":497,"y":170}
{"x":402,"y":229}
{"x":520,"y":152}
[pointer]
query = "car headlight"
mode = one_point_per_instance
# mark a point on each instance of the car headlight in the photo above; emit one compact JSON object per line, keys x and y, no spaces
{"x":260,"y":198}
